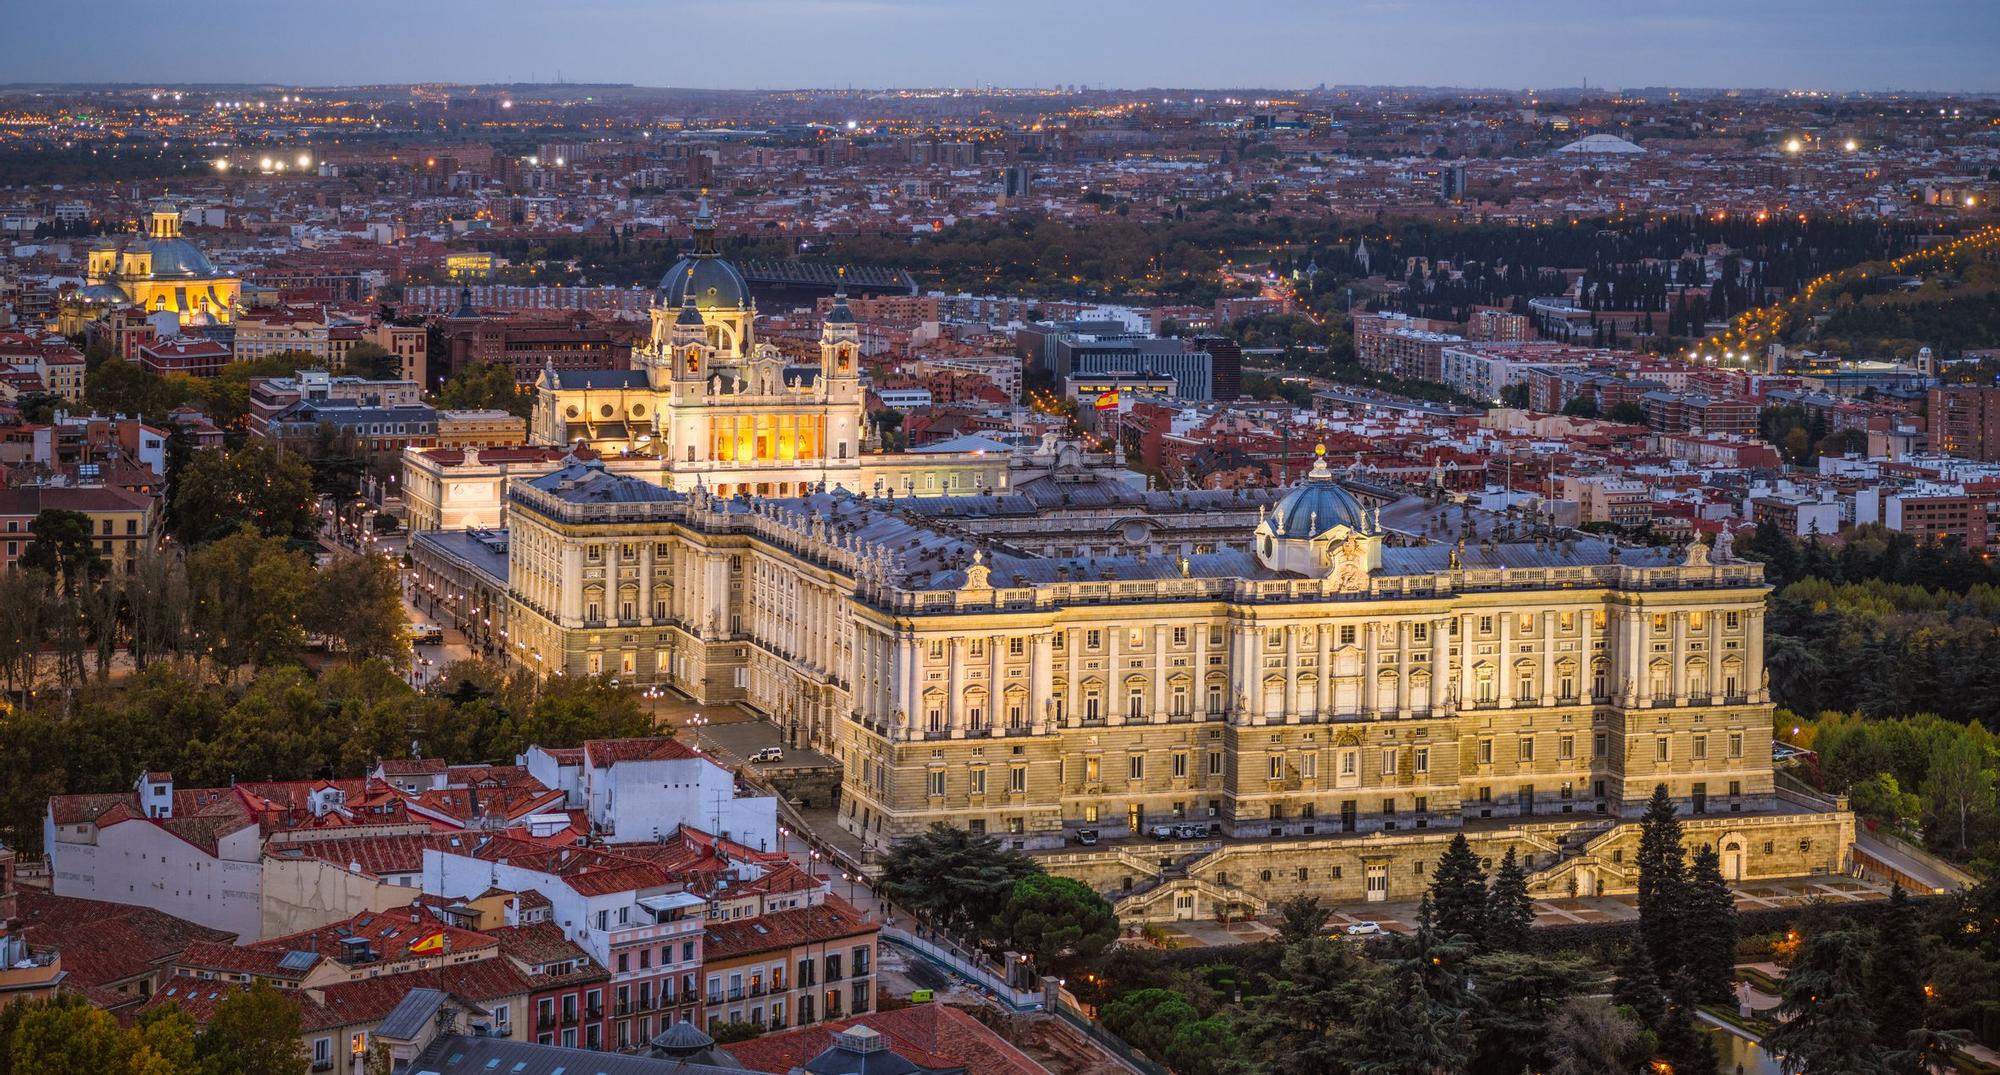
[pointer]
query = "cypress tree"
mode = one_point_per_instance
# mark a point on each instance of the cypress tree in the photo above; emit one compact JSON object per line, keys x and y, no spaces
{"x":1458,"y":893}
{"x":1509,"y":914}
{"x":1637,"y":986}
{"x":1662,"y":881}
{"x":1896,"y":967}
{"x":1708,"y":923}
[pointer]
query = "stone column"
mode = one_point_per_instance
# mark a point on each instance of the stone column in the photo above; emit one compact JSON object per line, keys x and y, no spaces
{"x":1370,"y":704}
{"x":1503,"y":668}
{"x":1323,"y":652}
{"x":1548,"y":658}
{"x":1159,"y":673}
{"x":1677,"y":654}
{"x":1466,"y":623}
{"x":1291,"y":673}
{"x":1114,"y":678}
{"x":1038,"y":682}
{"x":1403,"y":698}
{"x":1753,"y":662}
{"x":954,"y":691}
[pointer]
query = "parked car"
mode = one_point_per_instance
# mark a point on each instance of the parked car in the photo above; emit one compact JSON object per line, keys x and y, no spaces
{"x":1190,"y":831}
{"x":1086,"y":837}
{"x":768,"y":754}
{"x":1364,"y":929}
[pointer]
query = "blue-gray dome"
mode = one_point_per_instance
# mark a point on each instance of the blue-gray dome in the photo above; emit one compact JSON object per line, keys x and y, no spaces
{"x":713,"y":281}
{"x":1317,"y":505}
{"x":110,"y":293}
{"x":178,"y":257}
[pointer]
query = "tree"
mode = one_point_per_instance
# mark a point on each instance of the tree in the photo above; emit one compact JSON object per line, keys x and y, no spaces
{"x":258,"y":485}
{"x":358,"y":602}
{"x":1685,"y":1047}
{"x":1056,"y":920}
{"x":955,"y":878}
{"x":1826,"y":1019}
{"x":485,"y":386}
{"x":373,"y":361}
{"x":1587,"y":1036}
{"x":1147,"y":1018}
{"x":253,"y":1031}
{"x":1627,"y":412}
{"x":1581,"y":407}
{"x":1515,"y":996}
{"x":248,"y":595}
{"x":1300,"y":918}
{"x":1509,"y":913}
{"x":1637,"y":986}
{"x":1708,"y":922}
{"x":1958,"y":787}
{"x":1314,"y":998}
{"x":64,"y":548}
{"x":66,"y":1036}
{"x":1662,"y":877}
{"x":1898,"y":961}
{"x":1458,"y":893}
{"x":1413,"y":1020}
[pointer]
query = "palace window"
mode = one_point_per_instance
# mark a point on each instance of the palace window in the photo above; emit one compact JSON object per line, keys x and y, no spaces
{"x":1421,"y":760}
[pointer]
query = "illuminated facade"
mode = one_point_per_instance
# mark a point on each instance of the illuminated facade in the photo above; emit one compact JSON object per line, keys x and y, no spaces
{"x":1309,"y":695}
{"x":159,"y":272}
{"x":713,"y":406}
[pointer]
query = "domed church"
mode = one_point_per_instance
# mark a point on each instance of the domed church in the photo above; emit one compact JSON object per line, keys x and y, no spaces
{"x":710,"y":404}
{"x":160,"y":272}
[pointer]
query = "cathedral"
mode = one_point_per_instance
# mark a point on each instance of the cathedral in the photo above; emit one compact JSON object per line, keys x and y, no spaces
{"x":159,"y":272}
{"x":709,"y":404}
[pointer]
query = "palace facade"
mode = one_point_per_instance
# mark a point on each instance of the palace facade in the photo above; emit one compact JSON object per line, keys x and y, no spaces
{"x":1279,"y":691}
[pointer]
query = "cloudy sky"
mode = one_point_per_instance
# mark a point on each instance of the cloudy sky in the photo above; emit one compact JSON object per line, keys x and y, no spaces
{"x":1514,"y":44}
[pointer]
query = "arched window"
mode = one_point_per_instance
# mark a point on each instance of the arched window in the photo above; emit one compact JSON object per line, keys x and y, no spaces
{"x":1485,"y":690}
{"x":1600,"y":680}
{"x":1660,"y":681}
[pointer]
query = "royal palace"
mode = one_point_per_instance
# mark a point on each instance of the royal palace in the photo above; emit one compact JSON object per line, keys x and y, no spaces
{"x":1196,"y":700}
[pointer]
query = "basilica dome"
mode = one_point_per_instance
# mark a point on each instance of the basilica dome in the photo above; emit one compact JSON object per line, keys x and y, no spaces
{"x":178,"y":257}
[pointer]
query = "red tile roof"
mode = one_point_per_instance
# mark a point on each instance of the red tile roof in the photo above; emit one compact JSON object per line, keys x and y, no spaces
{"x":605,"y":752}
{"x":101,"y":942}
{"x":832,"y":920}
{"x":933,"y":1035}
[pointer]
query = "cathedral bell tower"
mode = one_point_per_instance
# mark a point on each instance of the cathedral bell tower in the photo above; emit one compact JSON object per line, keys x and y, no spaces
{"x":840,"y":344}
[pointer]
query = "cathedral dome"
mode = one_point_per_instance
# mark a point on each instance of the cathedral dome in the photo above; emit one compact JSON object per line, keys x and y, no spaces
{"x":178,"y":257}
{"x":704,"y":274}
{"x":714,"y":282}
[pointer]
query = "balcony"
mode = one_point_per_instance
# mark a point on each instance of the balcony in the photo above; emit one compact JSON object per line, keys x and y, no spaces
{"x":594,"y":1013}
{"x":323,"y":1065}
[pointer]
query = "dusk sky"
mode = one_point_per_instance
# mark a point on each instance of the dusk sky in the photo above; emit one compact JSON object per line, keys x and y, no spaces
{"x":1816,"y":44}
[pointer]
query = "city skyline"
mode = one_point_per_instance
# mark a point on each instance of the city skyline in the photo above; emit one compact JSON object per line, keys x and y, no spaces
{"x":789,"y":44}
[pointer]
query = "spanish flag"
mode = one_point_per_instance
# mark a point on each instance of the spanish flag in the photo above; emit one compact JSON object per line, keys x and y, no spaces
{"x":432,"y":943}
{"x":1108,"y":401}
